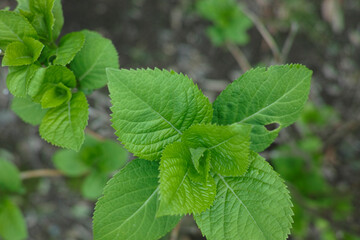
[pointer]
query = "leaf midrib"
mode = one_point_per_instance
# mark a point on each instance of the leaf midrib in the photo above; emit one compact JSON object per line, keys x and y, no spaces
{"x":223,"y":142}
{"x":276,"y":101}
{"x":151,"y":107}
{"x":129,"y":218}
{"x":242,"y":203}
{"x":17,"y":35}
{"x":94,"y":63}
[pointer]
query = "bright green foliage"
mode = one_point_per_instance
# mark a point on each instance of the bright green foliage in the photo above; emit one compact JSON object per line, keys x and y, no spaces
{"x":196,"y":156}
{"x":207,"y":169}
{"x":200,"y":173}
{"x":229,"y":22}
{"x":42,"y":18}
{"x":64,"y":125}
{"x":69,"y":46}
{"x":23,"y":4}
{"x":12,"y":223}
{"x":179,"y":194}
{"x":128,"y":208}
{"x":255,"y":206}
{"x":263,"y":96}
{"x":19,"y":78}
{"x":14,"y":27}
{"x":22,"y":53}
{"x":29,"y":111}
{"x":58,"y":18}
{"x":151,"y":108}
{"x":96,"y":159}
{"x":89,"y":64}
{"x":56,"y":96}
{"x":228,"y":145}
{"x":93,"y":185}
{"x":48,"y":78}
{"x":9,"y":178}
{"x":69,"y":163}
{"x":40,"y":70}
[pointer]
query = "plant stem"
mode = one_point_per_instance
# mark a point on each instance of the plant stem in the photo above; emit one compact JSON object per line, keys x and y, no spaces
{"x":95,"y":135}
{"x":40,"y":173}
{"x":264,"y":33}
{"x":175,"y":232}
{"x":239,"y":56}
{"x":289,"y":41}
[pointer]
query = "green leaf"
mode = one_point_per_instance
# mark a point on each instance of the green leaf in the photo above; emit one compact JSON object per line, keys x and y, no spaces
{"x":151,"y":108}
{"x":22,"y":53}
{"x":18,"y":79}
{"x":68,"y":162}
{"x":97,"y":54}
{"x":264,"y":96}
{"x":12,"y":223}
{"x":56,"y":96}
{"x":64,"y":126}
{"x":69,"y":46}
{"x":228,"y":145}
{"x":47,"y":78}
{"x":29,"y":111}
{"x":42,"y":18}
{"x":202,"y":173}
{"x":196,"y":155}
{"x":58,"y":18}
{"x":23,"y":4}
{"x":93,"y":185}
{"x":128,"y":208}
{"x":230,"y":24}
{"x":113,"y":156}
{"x":179,"y":194}
{"x":14,"y":27}
{"x":254,"y":206}
{"x":9,"y":177}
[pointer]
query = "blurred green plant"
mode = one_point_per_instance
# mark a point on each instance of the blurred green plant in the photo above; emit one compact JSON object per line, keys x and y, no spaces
{"x":230,"y":24}
{"x":300,"y":163}
{"x":305,"y":14}
{"x":50,"y":77}
{"x":95,"y":161}
{"x":12,"y":222}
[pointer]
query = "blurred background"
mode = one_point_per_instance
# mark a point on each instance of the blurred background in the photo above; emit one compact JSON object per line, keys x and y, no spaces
{"x":214,"y":42}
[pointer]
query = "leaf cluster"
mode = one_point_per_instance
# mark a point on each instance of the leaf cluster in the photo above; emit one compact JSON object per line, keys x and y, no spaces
{"x":203,"y":158}
{"x":49,"y":77}
{"x":12,"y":222}
{"x":96,"y":160}
{"x":229,"y":23}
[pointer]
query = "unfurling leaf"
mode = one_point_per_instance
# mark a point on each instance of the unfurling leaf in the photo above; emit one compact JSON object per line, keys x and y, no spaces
{"x":56,"y":96}
{"x":48,"y":78}
{"x":179,"y":193}
{"x":228,"y":145}
{"x":22,"y":53}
